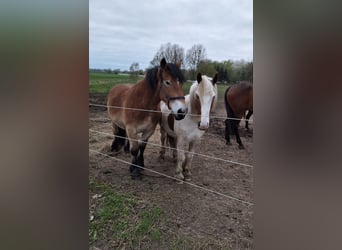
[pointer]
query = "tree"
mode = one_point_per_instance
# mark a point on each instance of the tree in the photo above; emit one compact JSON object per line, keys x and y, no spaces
{"x":228,"y":69}
{"x":249,"y":71}
{"x":206,"y":67}
{"x":194,"y":56}
{"x":224,"y":70}
{"x":173,"y":53}
{"x":134,"y":69}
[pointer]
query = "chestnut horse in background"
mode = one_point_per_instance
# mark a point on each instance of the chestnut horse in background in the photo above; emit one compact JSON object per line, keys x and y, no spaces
{"x":238,"y":99}
{"x":160,"y":83}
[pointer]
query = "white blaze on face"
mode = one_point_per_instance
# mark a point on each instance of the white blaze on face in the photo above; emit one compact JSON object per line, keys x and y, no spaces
{"x":206,"y":93}
{"x":205,"y":111}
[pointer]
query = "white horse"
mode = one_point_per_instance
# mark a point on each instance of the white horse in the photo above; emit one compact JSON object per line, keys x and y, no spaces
{"x":185,"y":134}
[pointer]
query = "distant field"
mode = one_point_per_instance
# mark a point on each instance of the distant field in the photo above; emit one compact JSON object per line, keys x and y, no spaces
{"x":103,"y":82}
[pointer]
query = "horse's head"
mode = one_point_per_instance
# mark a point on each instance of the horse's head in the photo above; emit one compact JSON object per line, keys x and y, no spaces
{"x":170,"y":79}
{"x":206,"y":94}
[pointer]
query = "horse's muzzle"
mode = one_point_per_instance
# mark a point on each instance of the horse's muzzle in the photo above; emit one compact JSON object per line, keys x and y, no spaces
{"x":180,"y":115}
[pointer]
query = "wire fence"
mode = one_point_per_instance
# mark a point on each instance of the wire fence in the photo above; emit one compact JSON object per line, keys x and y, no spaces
{"x":158,"y":111}
{"x":248,"y":203}
{"x":185,"y":151}
{"x":176,"y":179}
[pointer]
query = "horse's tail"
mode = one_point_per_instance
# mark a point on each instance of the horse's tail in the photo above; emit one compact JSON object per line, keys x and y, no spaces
{"x":229,"y":110}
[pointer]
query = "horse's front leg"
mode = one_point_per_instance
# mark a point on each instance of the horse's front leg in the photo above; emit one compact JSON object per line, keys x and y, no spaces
{"x":134,"y":148}
{"x":142,"y":146}
{"x":188,"y":161}
{"x":180,"y":159}
{"x":162,"y":140}
{"x":173,"y":145}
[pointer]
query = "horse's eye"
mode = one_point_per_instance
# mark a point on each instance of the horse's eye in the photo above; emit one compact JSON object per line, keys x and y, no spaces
{"x":167,"y":82}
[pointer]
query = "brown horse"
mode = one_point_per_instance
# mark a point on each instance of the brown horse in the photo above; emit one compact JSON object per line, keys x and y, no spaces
{"x":238,"y":98}
{"x":160,"y":83}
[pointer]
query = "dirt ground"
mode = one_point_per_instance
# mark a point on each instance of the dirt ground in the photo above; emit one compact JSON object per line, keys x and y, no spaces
{"x":194,"y":213}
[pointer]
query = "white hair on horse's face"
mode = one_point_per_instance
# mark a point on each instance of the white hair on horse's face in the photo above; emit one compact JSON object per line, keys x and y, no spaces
{"x":206,"y":92}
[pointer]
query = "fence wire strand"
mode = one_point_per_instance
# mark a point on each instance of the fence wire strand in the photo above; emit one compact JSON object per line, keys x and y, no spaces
{"x":174,"y":178}
{"x":194,"y":153}
{"x":158,"y":111}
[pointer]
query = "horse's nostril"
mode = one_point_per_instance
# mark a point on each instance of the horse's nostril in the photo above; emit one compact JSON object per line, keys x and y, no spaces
{"x":180,"y":114}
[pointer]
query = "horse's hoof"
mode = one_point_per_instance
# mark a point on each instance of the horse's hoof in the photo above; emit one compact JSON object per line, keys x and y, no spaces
{"x":228,"y":143}
{"x":241,"y":147}
{"x":179,"y":176}
{"x":180,"y":182}
{"x":188,"y":178}
{"x":135,"y":174}
{"x":136,"y":177}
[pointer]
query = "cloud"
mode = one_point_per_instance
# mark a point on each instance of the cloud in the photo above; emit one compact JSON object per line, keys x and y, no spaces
{"x":126,"y":31}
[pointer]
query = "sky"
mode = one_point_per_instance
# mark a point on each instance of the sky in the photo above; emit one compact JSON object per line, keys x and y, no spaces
{"x":125,"y":31}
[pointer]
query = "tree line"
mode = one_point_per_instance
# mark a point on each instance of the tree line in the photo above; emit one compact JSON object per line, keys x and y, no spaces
{"x":195,"y":60}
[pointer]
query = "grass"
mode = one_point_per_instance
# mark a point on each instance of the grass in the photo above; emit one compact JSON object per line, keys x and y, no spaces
{"x":103,"y":82}
{"x":122,"y":218}
{"x":122,"y":221}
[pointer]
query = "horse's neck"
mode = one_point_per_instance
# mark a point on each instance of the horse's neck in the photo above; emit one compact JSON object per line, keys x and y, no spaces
{"x":150,"y":97}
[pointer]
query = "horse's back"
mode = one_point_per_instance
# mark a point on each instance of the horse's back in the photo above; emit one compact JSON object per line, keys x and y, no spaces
{"x":118,"y":94}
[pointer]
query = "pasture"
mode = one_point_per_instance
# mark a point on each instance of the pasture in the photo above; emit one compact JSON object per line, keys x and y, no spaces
{"x":157,"y":212}
{"x":103,"y":82}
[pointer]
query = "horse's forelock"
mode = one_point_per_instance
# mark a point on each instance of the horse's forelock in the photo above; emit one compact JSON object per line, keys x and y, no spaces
{"x":152,"y":75}
{"x":206,"y":85}
{"x":175,"y":72}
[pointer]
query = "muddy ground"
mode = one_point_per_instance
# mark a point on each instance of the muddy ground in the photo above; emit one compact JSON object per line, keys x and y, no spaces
{"x":194,"y":213}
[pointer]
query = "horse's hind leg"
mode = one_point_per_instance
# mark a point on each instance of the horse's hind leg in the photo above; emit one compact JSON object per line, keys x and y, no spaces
{"x":227,"y":132}
{"x":126,"y":148}
{"x":119,"y":138}
{"x":249,"y":114}
{"x":236,"y":132}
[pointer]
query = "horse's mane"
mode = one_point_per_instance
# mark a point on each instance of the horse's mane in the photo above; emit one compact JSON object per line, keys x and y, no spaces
{"x":173,"y":69}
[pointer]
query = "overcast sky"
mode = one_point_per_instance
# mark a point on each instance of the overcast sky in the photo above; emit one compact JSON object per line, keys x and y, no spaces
{"x":126,"y":31}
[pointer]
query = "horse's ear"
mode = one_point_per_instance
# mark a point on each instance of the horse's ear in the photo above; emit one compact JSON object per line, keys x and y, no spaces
{"x":199,"y":78}
{"x":163,"y":63}
{"x":215,"y":79}
{"x":178,"y":64}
